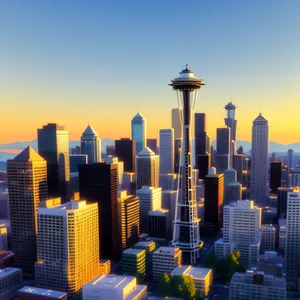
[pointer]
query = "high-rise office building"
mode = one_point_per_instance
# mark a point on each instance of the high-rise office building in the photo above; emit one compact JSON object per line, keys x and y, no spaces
{"x":238,"y":164}
{"x":11,"y":280}
{"x":138,"y":132}
{"x":53,"y":146}
{"x":257,"y":285}
{"x":76,"y":160}
{"x":91,"y":145}
{"x":168,"y":181}
{"x":259,"y":161}
{"x":128,"y":219}
{"x":67,"y":246}
{"x":133,"y":262}
{"x":282,"y":198}
{"x":169,"y":202}
{"x":152,"y":144}
{"x":147,"y":169}
{"x":4,"y":205}
{"x":99,"y":183}
{"x":268,"y":237}
{"x":213,"y":200}
{"x":186,"y":233}
{"x":159,"y":224}
{"x":232,"y":188}
{"x":111,"y":150}
{"x":120,"y":166}
{"x":275,"y":176}
{"x":292,"y":247}
{"x":129,"y":183}
{"x":295,"y":177}
{"x":290,"y":159}
{"x":126,"y":152}
{"x":27,"y":186}
{"x":166,"y":151}
{"x":176,"y":123}
{"x":241,"y":231}
{"x":223,"y":149}
{"x":150,"y":199}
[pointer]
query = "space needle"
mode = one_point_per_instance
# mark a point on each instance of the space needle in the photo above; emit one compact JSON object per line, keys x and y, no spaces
{"x":186,"y":233}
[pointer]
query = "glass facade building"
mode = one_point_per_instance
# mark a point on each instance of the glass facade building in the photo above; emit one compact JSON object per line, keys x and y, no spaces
{"x":138,"y":132}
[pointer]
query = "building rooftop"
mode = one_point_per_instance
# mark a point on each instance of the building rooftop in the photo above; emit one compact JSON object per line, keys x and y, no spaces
{"x":195,"y":272}
{"x":144,"y":244}
{"x":42,"y":292}
{"x":90,"y":131}
{"x":167,"y":250}
{"x":28,"y":154}
{"x":8,"y":271}
{"x":111,"y":281}
{"x":159,"y":212}
{"x":139,"y":289}
{"x":146,"y":152}
{"x":260,"y":118}
{"x":133,"y":251}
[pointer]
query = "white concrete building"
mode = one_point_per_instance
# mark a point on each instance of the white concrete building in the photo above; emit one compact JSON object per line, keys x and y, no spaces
{"x":259,"y":191}
{"x":258,"y":286}
{"x":203,"y":277}
{"x":295,"y":177}
{"x":67,"y":246}
{"x":147,"y":169}
{"x":114,"y":287}
{"x":241,"y":231}
{"x":292,"y":247}
{"x":268,"y":237}
{"x":165,"y":260}
{"x":150,"y":199}
{"x":166,"y":151}
{"x":11,"y":280}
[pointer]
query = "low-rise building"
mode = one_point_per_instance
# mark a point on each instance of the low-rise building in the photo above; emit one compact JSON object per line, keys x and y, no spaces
{"x":6,"y":259}
{"x":258,"y":286}
{"x":104,"y":266}
{"x":165,"y":260}
{"x":10,"y":282}
{"x":114,"y":287}
{"x":203,"y":277}
{"x":33,"y":293}
{"x":133,"y":262}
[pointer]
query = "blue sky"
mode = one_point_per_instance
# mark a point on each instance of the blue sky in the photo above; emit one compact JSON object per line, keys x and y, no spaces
{"x":100,"y":61}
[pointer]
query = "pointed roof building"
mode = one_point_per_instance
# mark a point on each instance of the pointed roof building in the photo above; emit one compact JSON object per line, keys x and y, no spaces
{"x":90,"y":131}
{"x":146,"y":152}
{"x":28,"y":154}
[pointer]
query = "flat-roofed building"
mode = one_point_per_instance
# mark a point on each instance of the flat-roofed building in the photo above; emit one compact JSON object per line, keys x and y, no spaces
{"x":34,"y":293}
{"x":268,"y":237}
{"x":203,"y":277}
{"x":257,"y":285}
{"x":165,"y":260}
{"x":133,"y":262}
{"x":11,"y":280}
{"x":114,"y":287}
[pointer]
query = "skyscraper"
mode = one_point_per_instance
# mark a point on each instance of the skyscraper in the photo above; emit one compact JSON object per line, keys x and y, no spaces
{"x":150,"y":199}
{"x":91,"y":145}
{"x":147,"y":169}
{"x":259,"y":161}
{"x":275,"y":176}
{"x":152,"y":144}
{"x":27,"y":186}
{"x":201,"y":145}
{"x":241,"y":231}
{"x":213,"y":201}
{"x":290,"y":159}
{"x":138,"y":131}
{"x":176,"y":123}
{"x":67,"y":246}
{"x":292,"y":246}
{"x":232,"y":188}
{"x":166,"y":151}
{"x":53,"y":146}
{"x":223,"y":149}
{"x":186,"y":234}
{"x":129,"y":219}
{"x":76,"y":160}
{"x":126,"y":152}
{"x":98,"y":183}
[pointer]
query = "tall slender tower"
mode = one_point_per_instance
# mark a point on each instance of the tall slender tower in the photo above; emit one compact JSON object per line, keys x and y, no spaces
{"x":231,"y":123}
{"x":186,"y":233}
{"x":259,"y":161}
{"x":166,"y":151}
{"x":27,"y":187}
{"x":91,"y":145}
{"x":138,"y":132}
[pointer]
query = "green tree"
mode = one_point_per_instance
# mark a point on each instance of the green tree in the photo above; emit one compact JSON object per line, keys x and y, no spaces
{"x":164,"y":288}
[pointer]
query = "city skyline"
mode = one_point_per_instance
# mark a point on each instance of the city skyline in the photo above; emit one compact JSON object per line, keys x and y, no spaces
{"x":72,"y":54}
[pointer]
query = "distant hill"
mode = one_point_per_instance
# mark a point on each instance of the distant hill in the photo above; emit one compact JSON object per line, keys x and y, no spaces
{"x":5,"y":149}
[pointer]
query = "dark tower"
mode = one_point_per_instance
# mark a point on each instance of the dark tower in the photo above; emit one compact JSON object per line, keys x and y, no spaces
{"x":186,"y":234}
{"x":126,"y":152}
{"x":98,"y":183}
